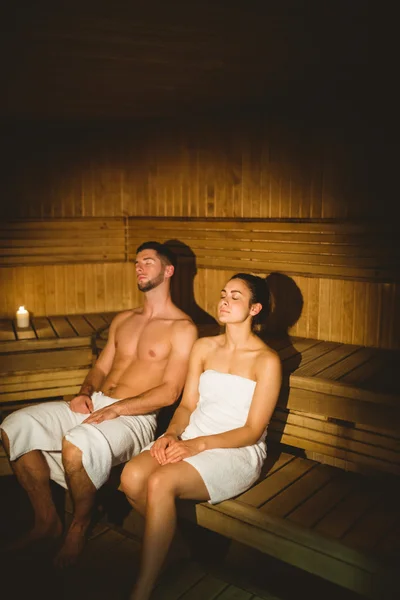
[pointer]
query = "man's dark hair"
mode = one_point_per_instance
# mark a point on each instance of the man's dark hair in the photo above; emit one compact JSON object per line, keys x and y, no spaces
{"x":164,"y":253}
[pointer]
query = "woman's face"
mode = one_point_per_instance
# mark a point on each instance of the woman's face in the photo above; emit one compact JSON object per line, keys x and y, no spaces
{"x":234,"y":305}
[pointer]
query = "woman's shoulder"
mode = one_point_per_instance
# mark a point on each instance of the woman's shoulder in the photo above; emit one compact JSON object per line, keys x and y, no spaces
{"x":268,"y":359}
{"x":210,"y":342}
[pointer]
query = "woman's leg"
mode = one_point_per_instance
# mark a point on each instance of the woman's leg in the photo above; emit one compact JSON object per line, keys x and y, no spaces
{"x":165,"y":485}
{"x":134,"y":479}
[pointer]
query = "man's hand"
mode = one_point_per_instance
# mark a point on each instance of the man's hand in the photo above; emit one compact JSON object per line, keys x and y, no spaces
{"x":160,"y":445}
{"x":81,"y":404}
{"x":182,"y":449}
{"x":103,"y":414}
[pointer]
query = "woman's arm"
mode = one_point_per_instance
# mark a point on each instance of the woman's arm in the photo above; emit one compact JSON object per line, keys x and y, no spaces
{"x":187,"y":405}
{"x":269,"y":378}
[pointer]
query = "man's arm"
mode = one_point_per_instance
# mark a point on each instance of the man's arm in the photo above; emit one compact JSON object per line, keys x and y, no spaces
{"x":168,"y":391}
{"x":82,"y":402}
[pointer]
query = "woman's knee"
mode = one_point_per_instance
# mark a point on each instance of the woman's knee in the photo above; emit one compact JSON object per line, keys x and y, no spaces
{"x":160,"y":483}
{"x":133,"y":479}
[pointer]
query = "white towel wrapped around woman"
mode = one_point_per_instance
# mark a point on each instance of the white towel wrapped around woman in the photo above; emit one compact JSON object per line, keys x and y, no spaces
{"x":224,"y":404}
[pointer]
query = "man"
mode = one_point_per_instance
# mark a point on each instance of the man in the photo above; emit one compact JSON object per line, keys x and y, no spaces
{"x":141,"y":369}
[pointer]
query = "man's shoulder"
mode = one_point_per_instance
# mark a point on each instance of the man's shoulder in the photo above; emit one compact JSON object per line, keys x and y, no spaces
{"x":184,"y":325}
{"x":125,"y":314}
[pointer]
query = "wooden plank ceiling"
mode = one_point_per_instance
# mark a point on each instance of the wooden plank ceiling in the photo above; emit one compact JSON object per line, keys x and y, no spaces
{"x":81,"y":60}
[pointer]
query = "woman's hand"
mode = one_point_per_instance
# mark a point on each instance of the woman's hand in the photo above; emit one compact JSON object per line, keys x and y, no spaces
{"x":161,"y":444}
{"x":182,"y":449}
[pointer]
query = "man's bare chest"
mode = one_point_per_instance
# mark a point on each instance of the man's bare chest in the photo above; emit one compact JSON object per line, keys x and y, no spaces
{"x":149,"y":341}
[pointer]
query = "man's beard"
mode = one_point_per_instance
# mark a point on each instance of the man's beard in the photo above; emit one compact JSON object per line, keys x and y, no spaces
{"x":146,"y":286}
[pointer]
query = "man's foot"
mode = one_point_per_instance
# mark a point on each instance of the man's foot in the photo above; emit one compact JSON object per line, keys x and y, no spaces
{"x":45,"y":534}
{"x":72,"y":547}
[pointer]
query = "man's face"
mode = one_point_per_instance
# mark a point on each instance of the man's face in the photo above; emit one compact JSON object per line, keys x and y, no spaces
{"x":149,"y":270}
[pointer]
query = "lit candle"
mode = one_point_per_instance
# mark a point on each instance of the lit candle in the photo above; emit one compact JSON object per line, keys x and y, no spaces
{"x":22,"y":317}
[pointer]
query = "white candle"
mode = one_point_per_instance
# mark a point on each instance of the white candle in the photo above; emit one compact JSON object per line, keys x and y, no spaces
{"x":22,"y":317}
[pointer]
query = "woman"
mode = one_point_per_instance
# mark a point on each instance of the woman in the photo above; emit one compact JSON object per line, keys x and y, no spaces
{"x":214,"y":446}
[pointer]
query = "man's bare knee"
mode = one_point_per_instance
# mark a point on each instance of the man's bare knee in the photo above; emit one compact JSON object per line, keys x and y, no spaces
{"x":71,"y":455}
{"x":5,"y":441}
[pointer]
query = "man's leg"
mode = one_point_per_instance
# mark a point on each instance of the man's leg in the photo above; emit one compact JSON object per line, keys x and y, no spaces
{"x":83,"y":494}
{"x":89,"y":452}
{"x":33,"y":474}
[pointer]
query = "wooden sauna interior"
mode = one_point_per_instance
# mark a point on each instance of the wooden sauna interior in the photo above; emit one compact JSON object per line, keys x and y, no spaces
{"x":244,"y":135}
{"x":201,"y":111}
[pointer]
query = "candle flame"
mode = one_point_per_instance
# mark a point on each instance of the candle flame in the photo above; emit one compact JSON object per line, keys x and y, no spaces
{"x":21,"y":309}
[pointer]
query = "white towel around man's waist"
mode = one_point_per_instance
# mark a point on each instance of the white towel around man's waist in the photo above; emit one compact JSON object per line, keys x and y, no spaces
{"x":103,"y":445}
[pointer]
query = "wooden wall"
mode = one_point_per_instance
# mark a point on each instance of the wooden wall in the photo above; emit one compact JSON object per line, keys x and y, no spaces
{"x":252,"y":167}
{"x":233,"y":166}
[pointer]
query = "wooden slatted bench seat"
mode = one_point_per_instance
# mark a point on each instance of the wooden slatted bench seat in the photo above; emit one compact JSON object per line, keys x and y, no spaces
{"x":340,"y":526}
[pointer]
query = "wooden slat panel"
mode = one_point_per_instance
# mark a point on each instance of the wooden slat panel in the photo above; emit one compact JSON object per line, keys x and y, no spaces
{"x":67,"y":389}
{"x":277,"y":481}
{"x":6,"y":330}
{"x":297,"y":346}
{"x":366,"y":370}
{"x":234,"y":593}
{"x":80,"y":325}
{"x":208,"y":587}
{"x":307,"y":356}
{"x":35,"y":361}
{"x":170,"y":586}
{"x":329,"y":359}
{"x":339,"y":407}
{"x":53,"y":241}
{"x":375,"y":443}
{"x":374,"y":524}
{"x":71,"y":225}
{"x":96,"y":321}
{"x":37,"y":379}
{"x":54,"y":343}
{"x":274,"y":536}
{"x":340,"y":520}
{"x":136,"y":224}
{"x":342,"y":368}
{"x":299,"y":491}
{"x":378,"y":459}
{"x":27,"y":333}
{"x":290,"y":250}
{"x":324,"y":500}
{"x":62,"y":259}
{"x":109,"y":316}
{"x":271,"y":465}
{"x":43,"y":328}
{"x":389,"y":544}
{"x":62,"y":327}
